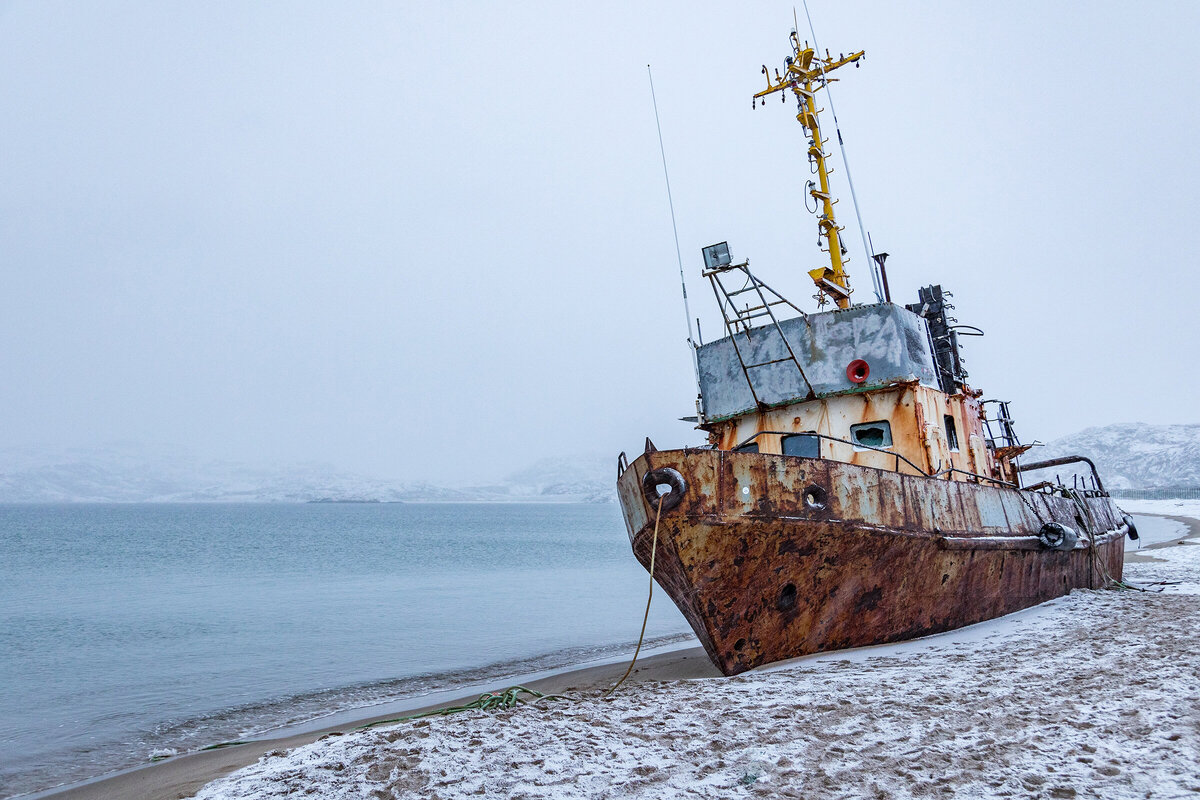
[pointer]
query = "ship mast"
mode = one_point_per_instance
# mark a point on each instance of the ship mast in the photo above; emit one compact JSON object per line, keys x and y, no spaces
{"x":806,"y":73}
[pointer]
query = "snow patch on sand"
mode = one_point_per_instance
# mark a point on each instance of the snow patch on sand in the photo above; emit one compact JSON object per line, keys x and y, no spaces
{"x":1094,"y":694}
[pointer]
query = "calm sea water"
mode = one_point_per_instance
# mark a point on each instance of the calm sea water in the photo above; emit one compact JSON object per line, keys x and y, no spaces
{"x":127,"y":630}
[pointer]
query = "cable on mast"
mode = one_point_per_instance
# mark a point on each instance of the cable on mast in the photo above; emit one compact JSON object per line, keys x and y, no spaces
{"x":678,"y":254}
{"x":842,"y":146}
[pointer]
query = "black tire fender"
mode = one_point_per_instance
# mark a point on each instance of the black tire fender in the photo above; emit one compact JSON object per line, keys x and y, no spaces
{"x":663,"y":476}
{"x":1056,"y":536}
{"x":1132,"y":532}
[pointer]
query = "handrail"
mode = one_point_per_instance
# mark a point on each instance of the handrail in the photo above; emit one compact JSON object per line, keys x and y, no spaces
{"x":897,"y":456}
{"x":1009,"y":484}
{"x":1058,"y":462}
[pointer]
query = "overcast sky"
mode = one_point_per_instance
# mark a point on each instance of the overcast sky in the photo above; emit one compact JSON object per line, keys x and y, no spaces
{"x":421,"y":240}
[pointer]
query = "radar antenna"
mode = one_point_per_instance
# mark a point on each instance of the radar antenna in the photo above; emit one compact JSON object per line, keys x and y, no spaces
{"x":806,"y":72}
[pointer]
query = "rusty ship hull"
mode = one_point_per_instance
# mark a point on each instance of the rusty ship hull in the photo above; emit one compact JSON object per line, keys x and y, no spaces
{"x":770,"y":557}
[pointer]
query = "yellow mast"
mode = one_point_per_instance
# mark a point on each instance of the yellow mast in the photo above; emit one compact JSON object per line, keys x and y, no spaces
{"x":806,"y":73}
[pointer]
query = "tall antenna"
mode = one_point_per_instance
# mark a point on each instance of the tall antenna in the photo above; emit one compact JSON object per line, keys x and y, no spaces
{"x":675,"y":229}
{"x":846,"y":163}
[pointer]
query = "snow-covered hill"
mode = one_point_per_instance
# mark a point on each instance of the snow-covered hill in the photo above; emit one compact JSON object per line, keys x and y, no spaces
{"x":1131,"y":455}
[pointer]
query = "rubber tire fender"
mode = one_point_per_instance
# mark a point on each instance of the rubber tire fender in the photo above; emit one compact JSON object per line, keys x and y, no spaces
{"x":1056,"y":536}
{"x":658,"y":477}
{"x":1132,"y":532}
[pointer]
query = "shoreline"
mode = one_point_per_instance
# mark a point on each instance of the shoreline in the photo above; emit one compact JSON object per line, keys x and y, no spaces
{"x":183,"y":775}
{"x":1139,"y":556}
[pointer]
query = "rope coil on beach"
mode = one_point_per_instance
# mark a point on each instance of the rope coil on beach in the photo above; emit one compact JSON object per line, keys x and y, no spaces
{"x":502,"y":700}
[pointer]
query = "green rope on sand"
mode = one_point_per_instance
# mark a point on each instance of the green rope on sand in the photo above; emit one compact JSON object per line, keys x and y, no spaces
{"x":488,"y":701}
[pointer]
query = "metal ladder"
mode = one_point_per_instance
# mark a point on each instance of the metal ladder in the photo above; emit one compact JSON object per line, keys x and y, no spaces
{"x":1007,"y":431}
{"x":740,"y":320}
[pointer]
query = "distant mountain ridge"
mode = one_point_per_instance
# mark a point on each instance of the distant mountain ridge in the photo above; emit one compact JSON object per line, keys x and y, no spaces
{"x":1128,"y":455}
{"x":140,"y":474}
{"x":1131,"y":455}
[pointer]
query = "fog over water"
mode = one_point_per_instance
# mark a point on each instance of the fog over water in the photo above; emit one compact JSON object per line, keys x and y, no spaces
{"x":417,"y":240}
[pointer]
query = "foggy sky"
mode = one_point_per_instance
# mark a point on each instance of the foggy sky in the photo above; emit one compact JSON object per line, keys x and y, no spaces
{"x":427,"y":240}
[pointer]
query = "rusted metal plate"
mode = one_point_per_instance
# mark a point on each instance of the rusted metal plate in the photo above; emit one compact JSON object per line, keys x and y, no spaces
{"x":771,"y":557}
{"x":989,"y":504}
{"x":991,"y":543}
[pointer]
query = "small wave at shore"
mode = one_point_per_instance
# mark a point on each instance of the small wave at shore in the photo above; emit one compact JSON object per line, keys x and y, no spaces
{"x":127,"y":631}
{"x":256,"y":720}
{"x":313,"y":710}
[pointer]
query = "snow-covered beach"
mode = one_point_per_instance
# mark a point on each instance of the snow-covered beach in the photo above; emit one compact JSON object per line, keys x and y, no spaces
{"x":1095,"y":694}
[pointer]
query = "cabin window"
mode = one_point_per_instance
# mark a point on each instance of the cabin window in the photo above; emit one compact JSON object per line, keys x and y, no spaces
{"x":747,"y":448}
{"x":951,"y":434}
{"x":805,"y":445}
{"x":872,"y":434}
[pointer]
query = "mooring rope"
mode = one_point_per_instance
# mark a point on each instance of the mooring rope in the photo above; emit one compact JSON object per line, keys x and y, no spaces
{"x":1098,"y":564}
{"x":488,"y":701}
{"x":649,"y":597}
{"x":1089,"y":525}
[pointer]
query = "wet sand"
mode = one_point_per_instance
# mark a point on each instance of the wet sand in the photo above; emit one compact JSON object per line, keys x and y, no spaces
{"x":182,"y":776}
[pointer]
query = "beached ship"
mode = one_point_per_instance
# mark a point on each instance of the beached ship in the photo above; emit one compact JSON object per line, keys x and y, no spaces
{"x":855,"y":488}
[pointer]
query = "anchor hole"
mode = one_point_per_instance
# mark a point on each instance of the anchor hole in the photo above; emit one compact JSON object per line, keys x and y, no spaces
{"x":787,"y":598}
{"x":814,"y":497}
